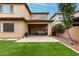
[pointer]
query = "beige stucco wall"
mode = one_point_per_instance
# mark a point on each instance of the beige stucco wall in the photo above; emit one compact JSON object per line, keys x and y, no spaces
{"x":74,"y":32}
{"x":20,"y":26}
{"x":19,"y":10}
{"x":50,"y":29}
{"x":39,"y":16}
{"x":19,"y":29}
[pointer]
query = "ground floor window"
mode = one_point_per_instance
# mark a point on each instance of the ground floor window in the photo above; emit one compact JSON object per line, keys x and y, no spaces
{"x":8,"y":27}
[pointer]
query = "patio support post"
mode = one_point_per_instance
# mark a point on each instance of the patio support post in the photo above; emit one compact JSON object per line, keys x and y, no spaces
{"x":49,"y":29}
{"x":1,"y":27}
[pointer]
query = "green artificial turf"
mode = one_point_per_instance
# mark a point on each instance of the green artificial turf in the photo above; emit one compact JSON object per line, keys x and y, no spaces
{"x":12,"y":48}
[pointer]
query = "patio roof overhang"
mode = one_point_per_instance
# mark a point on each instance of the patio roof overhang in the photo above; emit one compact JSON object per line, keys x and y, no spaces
{"x":22,"y":18}
{"x":11,"y":18}
{"x":39,"y":20}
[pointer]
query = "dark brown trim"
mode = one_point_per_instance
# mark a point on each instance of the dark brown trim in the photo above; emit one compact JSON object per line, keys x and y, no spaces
{"x":22,"y":18}
{"x":54,"y":15}
{"x":8,"y":27}
{"x":39,"y":20}
{"x":27,"y":8}
{"x":20,"y":3}
{"x":12,"y":18}
{"x":39,"y":13}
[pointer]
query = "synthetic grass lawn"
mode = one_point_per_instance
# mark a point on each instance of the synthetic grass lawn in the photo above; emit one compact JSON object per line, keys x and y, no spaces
{"x":12,"y":48}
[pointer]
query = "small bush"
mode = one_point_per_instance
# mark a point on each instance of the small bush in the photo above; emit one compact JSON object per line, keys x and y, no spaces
{"x":59,"y":28}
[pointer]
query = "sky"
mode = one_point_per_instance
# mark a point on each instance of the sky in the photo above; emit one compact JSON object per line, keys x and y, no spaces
{"x":51,"y":8}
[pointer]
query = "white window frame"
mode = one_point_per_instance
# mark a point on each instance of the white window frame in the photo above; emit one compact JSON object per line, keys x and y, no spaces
{"x":4,"y":5}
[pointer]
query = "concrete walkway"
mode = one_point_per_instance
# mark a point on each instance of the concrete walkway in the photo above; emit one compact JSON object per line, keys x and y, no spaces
{"x":37,"y":39}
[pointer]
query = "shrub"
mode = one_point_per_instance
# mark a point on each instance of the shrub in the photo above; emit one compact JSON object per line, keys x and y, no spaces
{"x":59,"y":28}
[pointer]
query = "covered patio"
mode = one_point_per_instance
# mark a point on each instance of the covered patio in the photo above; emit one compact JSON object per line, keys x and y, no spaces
{"x":37,"y":29}
{"x":42,"y":27}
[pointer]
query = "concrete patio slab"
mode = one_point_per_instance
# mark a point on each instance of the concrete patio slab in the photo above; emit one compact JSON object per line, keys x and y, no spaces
{"x":37,"y":39}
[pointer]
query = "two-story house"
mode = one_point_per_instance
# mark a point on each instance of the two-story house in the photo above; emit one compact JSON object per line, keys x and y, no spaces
{"x":57,"y":18}
{"x":16,"y":19}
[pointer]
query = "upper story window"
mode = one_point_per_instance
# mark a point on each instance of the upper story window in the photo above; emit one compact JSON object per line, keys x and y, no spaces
{"x":6,"y":8}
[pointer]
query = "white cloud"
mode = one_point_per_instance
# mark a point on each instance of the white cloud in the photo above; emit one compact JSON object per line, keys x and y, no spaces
{"x":42,"y":4}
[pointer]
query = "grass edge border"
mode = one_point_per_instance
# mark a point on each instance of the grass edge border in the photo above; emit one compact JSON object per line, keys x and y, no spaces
{"x":68,"y":46}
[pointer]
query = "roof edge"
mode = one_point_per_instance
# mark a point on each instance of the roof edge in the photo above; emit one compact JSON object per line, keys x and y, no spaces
{"x":28,"y":8}
{"x":19,"y":3}
{"x":61,"y":13}
{"x":54,"y":15}
{"x":39,"y":13}
{"x":39,"y":20}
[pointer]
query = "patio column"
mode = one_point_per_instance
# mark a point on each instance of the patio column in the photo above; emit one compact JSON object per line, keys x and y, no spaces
{"x":49,"y":29}
{"x":26,"y":28}
{"x":1,"y":27}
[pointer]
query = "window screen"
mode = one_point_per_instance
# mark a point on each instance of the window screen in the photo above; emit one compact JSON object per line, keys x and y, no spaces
{"x":8,"y":27}
{"x":6,"y":8}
